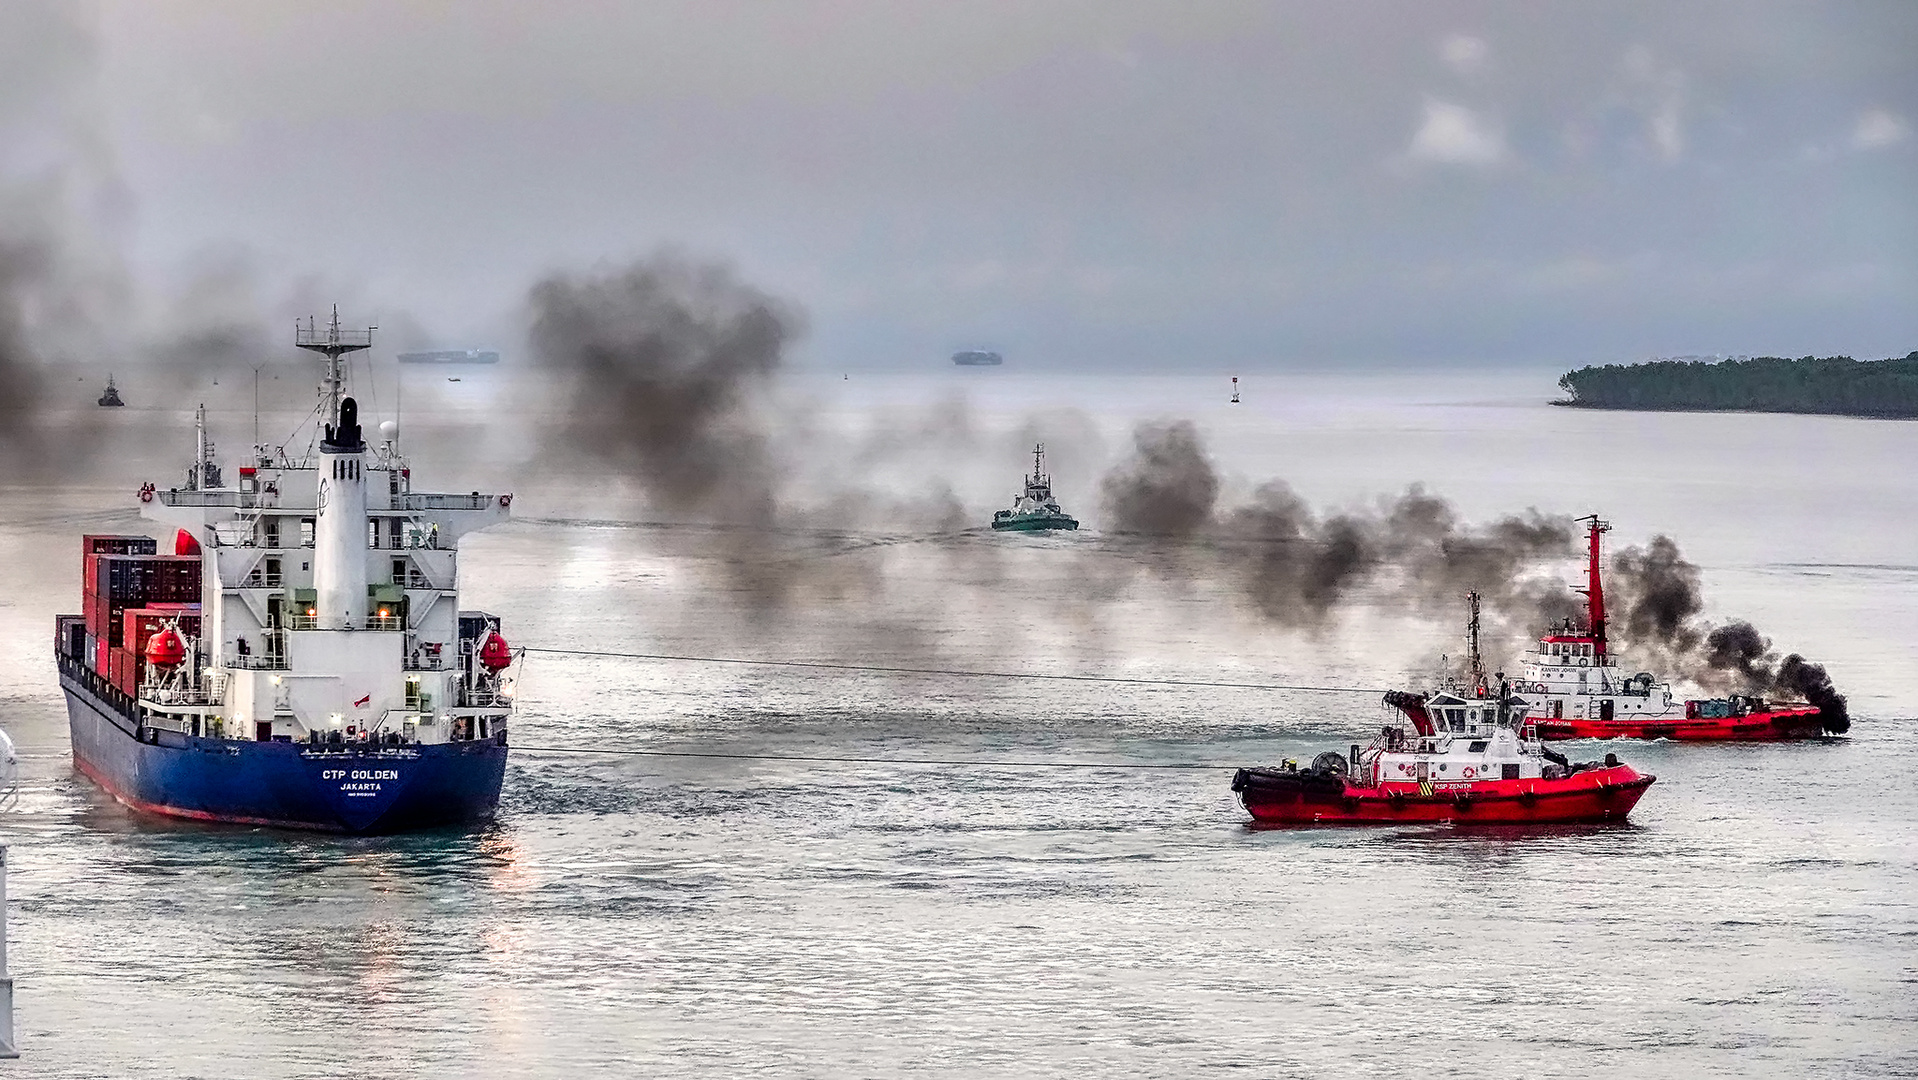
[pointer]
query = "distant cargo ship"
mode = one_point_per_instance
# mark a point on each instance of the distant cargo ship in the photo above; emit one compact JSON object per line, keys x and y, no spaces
{"x":977,"y":358}
{"x":450,"y":356}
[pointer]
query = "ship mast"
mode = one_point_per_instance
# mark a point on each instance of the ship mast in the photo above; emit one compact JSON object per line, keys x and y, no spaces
{"x":332,"y":343}
{"x":1595,"y":590}
{"x":339,"y":534}
{"x":1475,"y":659}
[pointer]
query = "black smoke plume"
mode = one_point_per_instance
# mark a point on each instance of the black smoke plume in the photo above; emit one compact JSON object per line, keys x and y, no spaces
{"x":1295,"y":567}
{"x":1167,"y":487}
{"x":1659,"y":601}
{"x":663,"y":362}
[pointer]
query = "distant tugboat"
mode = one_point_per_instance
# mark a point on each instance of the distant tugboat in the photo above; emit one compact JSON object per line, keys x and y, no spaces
{"x":977,"y":358}
{"x":1036,"y":510}
{"x":111,"y":398}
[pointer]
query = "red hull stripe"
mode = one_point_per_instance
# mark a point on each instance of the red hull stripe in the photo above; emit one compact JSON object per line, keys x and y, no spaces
{"x":1609,"y":795}
{"x":194,"y":815}
{"x":1757,"y":727}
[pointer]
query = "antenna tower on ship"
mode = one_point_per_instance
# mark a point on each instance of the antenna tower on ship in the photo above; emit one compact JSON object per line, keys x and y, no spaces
{"x":332,"y":343}
{"x":1038,"y":464}
{"x":1476,"y":659}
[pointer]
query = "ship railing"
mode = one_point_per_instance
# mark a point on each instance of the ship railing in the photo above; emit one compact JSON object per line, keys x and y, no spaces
{"x":96,"y":683}
{"x":163,"y":697}
{"x":430,"y":501}
{"x":373,"y":622}
{"x":240,"y":499}
{"x":260,"y":579}
{"x":256,"y":662}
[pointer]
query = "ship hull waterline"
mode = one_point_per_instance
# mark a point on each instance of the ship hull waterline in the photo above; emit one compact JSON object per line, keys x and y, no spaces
{"x":282,"y":784}
{"x":1592,"y":796}
{"x":1776,"y":726}
{"x":1046,"y":523}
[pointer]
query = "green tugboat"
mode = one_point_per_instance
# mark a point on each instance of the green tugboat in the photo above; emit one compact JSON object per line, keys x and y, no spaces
{"x":1036,"y":510}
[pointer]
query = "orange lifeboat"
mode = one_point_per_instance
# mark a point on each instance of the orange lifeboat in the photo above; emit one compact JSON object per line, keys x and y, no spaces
{"x":495,"y":655}
{"x":165,"y":649}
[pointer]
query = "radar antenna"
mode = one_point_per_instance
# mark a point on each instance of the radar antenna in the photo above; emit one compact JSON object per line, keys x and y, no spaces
{"x":332,"y":343}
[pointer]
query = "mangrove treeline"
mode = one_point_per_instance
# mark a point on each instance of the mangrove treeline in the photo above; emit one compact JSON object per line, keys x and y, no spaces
{"x":1811,"y":384}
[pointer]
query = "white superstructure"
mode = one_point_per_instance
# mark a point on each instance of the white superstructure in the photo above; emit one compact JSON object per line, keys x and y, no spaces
{"x":329,"y":595}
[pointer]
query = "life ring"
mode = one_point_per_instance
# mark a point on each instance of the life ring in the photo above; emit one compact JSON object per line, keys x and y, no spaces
{"x":505,"y":501}
{"x":1538,"y":688}
{"x":1470,"y":772}
{"x":146,"y":493}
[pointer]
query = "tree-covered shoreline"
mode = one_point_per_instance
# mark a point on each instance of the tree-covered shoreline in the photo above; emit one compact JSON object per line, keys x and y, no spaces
{"x":1835,"y":385}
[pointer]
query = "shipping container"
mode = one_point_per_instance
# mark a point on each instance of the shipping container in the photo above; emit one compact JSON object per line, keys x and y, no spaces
{"x":101,"y":544}
{"x":172,"y":579}
{"x":102,"y":656}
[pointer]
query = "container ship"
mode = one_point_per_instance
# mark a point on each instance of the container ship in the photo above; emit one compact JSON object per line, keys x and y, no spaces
{"x":298,"y":658}
{"x":1576,"y":689}
{"x":450,"y":356}
{"x":1035,"y":510}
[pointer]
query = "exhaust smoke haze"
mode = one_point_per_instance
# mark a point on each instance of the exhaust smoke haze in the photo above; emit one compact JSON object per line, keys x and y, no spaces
{"x":1661,"y":600}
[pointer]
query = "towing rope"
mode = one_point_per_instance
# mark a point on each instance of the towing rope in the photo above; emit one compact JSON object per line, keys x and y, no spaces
{"x":961,"y":672}
{"x":852,"y":760}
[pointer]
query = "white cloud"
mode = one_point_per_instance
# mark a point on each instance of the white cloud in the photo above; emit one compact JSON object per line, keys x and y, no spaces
{"x":1455,"y":135}
{"x":1877,"y":128}
{"x":1658,"y":93}
{"x":1463,"y":53}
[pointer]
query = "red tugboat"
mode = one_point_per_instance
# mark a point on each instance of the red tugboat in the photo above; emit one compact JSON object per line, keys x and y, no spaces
{"x":1576,"y":691}
{"x":1470,"y":760}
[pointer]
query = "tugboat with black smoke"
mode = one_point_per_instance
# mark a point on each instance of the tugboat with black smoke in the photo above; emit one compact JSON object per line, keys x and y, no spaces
{"x":1575,"y":689}
{"x":299,"y":659}
{"x":1472,"y":756}
{"x":1466,"y":760}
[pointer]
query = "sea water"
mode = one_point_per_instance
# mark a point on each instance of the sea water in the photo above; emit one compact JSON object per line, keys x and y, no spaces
{"x":667,"y":916}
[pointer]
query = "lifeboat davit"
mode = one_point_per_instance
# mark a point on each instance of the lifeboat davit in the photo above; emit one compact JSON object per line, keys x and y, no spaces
{"x":1468,"y":760}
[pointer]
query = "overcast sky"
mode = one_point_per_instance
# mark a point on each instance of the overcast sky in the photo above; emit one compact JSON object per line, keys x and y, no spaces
{"x":1148,"y":185}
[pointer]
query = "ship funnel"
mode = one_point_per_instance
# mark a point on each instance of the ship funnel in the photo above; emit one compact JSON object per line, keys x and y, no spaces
{"x":339,"y":540}
{"x":344,"y":437}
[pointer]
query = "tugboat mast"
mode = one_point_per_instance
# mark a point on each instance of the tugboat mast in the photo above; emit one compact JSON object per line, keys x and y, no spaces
{"x":1595,"y":589}
{"x":1475,"y":658}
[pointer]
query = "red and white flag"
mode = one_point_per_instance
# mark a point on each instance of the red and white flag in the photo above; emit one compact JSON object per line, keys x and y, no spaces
{"x":360,"y":704}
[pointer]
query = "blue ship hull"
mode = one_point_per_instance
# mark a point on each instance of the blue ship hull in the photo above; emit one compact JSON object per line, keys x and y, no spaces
{"x":350,"y":789}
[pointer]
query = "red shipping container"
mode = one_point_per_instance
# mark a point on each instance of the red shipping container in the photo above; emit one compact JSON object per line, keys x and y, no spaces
{"x":102,"y":656}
